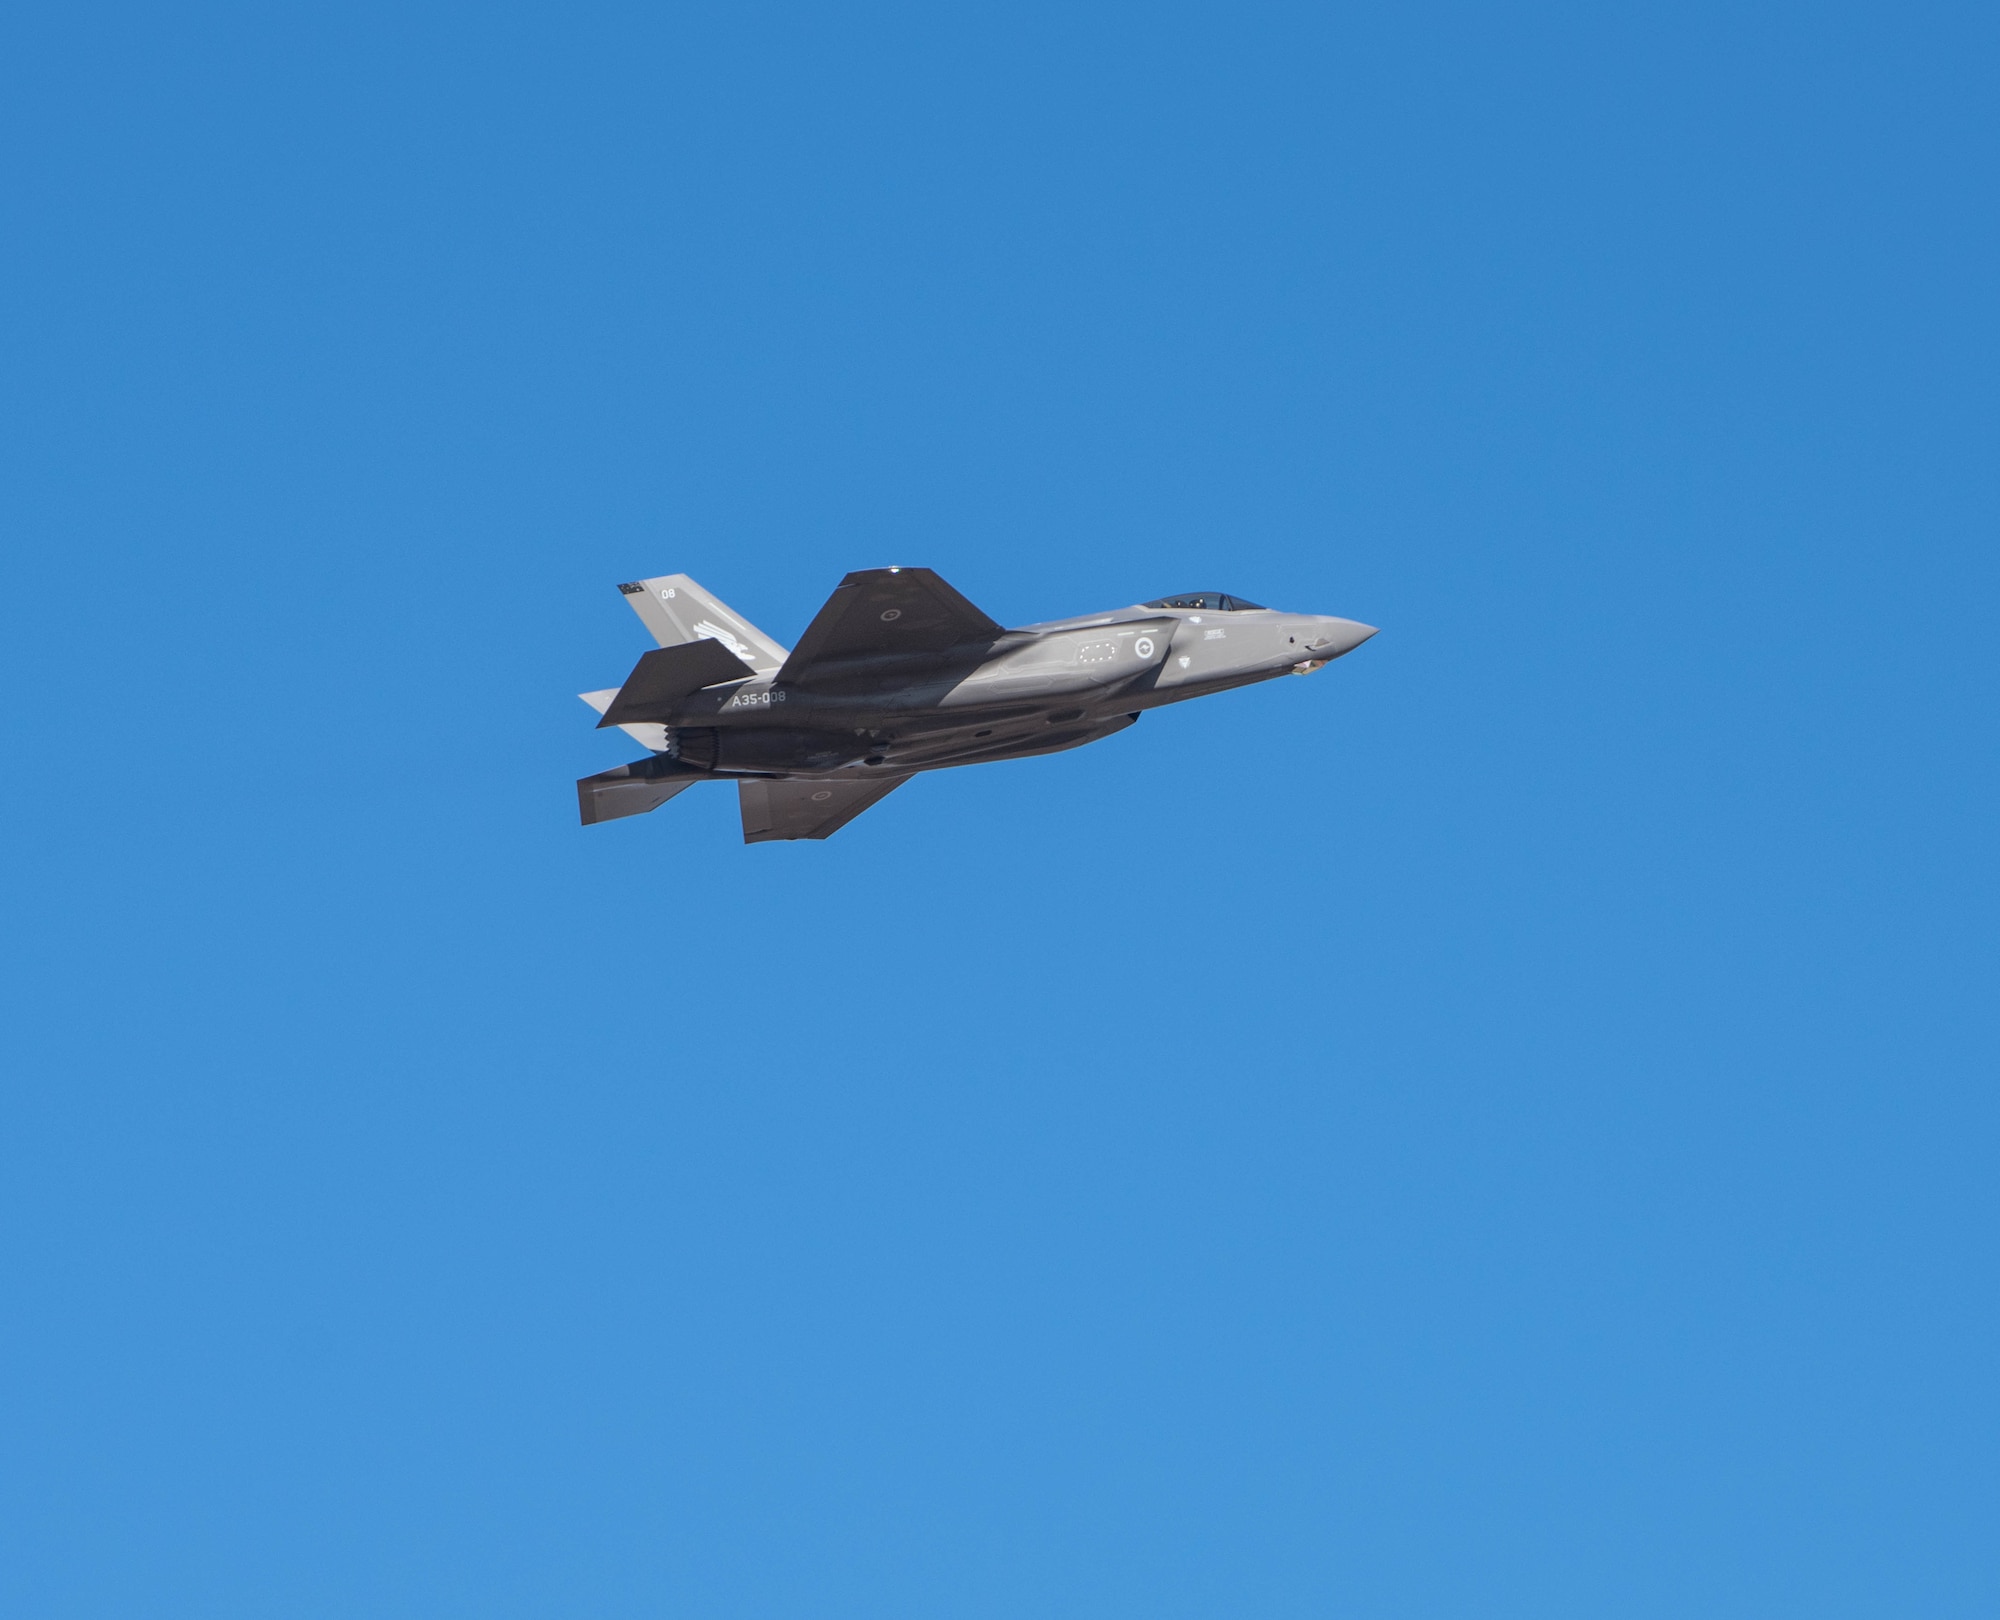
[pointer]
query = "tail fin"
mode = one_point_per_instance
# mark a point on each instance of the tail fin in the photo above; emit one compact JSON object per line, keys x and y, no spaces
{"x":676,"y":610}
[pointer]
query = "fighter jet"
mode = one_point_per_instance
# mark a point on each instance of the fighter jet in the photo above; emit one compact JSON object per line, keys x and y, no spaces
{"x":898,"y":674}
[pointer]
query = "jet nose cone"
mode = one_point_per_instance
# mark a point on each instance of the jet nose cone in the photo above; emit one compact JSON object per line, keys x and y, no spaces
{"x":1332,"y":637}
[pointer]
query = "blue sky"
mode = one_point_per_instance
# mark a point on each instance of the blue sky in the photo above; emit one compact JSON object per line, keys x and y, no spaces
{"x":1502,"y":1127}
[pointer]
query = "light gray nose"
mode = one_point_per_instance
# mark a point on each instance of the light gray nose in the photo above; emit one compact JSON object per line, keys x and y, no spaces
{"x":1332,"y":637}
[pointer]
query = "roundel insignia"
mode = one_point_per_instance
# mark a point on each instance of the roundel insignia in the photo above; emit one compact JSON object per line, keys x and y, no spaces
{"x":891,"y":614}
{"x":1143,"y":646}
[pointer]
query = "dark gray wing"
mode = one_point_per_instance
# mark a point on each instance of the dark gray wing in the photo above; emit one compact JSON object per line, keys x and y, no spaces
{"x":886,"y":610}
{"x":625,"y":792}
{"x":774,"y":810}
{"x":661,"y":679}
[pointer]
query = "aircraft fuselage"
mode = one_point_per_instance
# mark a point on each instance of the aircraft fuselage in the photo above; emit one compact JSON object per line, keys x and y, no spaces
{"x":1033,"y":690}
{"x":899,"y":674}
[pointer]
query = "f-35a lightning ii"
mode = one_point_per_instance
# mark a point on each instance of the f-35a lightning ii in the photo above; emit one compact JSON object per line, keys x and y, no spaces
{"x":897,"y":674}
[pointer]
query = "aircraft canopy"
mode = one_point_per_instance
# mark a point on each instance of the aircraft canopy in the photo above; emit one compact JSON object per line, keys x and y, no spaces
{"x":1209,"y":601}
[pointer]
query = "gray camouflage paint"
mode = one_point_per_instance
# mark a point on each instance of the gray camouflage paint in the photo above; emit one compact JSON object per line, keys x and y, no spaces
{"x":898,"y":674}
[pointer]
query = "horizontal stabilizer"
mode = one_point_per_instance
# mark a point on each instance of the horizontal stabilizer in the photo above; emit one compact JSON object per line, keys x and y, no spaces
{"x":653,"y":737}
{"x":661,"y":679}
{"x":627,"y":791}
{"x":808,"y":809}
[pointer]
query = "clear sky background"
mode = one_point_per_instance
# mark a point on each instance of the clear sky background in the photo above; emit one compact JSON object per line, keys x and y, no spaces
{"x":1504,"y":1127}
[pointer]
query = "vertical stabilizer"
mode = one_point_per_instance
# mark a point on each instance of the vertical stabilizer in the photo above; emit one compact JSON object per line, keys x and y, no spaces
{"x":676,"y":610}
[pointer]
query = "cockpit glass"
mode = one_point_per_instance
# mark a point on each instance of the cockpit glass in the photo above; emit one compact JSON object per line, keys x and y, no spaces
{"x":1207,"y":601}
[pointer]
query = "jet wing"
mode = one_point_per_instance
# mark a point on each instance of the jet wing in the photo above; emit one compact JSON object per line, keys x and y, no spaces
{"x":775,"y":810}
{"x":886,"y":610}
{"x":662,"y":678}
